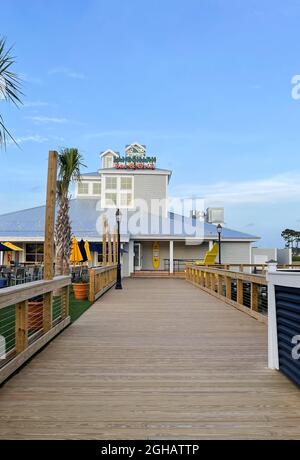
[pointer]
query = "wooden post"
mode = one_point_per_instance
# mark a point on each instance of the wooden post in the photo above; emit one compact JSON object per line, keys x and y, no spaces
{"x":65,"y":302}
{"x":220,"y":285}
{"x":92,"y":286}
{"x":239,"y":292}
{"x":228,"y":287}
{"x":104,"y":226}
{"x":49,"y":237}
{"x":21,"y":326}
{"x":254,"y":296}
{"x":115,"y":247}
{"x":109,"y":247}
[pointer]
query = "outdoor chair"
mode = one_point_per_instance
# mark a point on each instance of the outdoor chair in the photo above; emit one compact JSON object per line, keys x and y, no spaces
{"x":210,"y":256}
{"x":18,"y":276}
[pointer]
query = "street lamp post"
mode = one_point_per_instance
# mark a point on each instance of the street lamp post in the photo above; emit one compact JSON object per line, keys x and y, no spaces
{"x":119,"y":281}
{"x":219,"y":230}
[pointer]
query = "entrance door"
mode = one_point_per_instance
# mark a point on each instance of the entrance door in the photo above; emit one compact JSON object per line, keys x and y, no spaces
{"x":137,"y":256}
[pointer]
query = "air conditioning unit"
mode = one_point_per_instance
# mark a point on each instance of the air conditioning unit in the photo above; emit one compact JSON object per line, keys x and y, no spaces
{"x":215,"y":215}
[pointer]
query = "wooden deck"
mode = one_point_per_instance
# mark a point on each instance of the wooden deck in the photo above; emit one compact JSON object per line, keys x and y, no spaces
{"x":160,"y":359}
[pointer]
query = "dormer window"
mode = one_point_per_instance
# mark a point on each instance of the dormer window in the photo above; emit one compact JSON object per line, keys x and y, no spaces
{"x":108,"y":161}
{"x":107,"y":158}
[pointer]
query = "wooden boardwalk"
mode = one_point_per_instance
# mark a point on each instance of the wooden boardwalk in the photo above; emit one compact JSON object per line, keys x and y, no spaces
{"x":160,"y":359}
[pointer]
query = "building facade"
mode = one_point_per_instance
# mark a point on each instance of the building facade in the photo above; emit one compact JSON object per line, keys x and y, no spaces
{"x":153,"y":236}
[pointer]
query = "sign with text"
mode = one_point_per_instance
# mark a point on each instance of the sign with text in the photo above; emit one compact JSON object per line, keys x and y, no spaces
{"x":135,"y":162}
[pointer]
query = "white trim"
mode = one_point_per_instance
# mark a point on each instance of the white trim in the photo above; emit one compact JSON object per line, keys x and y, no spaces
{"x":273,"y":359}
{"x":109,"y":151}
{"x":152,"y":172}
{"x":136,"y":145}
{"x":118,"y":192}
{"x":287,"y":278}
{"x":171,"y":256}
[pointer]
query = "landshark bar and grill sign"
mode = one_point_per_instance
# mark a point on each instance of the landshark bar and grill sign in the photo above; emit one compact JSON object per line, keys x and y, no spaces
{"x":135,"y":162}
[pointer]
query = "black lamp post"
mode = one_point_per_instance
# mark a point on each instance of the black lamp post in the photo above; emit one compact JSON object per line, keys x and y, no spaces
{"x":219,"y":230}
{"x":119,"y":281}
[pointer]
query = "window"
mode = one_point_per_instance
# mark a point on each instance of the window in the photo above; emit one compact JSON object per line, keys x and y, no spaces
{"x":96,"y":188}
{"x":126,"y":200}
{"x":83,"y":188}
{"x":118,"y":191}
{"x":126,"y":183}
{"x":34,"y":252}
{"x":110,"y":183}
{"x":108,"y":161}
{"x":110,"y":199}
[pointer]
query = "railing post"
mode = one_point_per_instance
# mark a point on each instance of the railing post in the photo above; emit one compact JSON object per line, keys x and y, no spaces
{"x":65,"y":302}
{"x":273,"y":358}
{"x":92,"y":286}
{"x":254,"y":296}
{"x":228,"y":287}
{"x":220,"y":285}
{"x":109,"y":247}
{"x":240,"y":296}
{"x":21,"y":326}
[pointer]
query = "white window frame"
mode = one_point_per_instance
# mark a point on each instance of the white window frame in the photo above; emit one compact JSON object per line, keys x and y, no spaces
{"x":118,"y":192}
{"x":88,"y":188}
{"x":109,"y":157}
{"x":98,"y":184}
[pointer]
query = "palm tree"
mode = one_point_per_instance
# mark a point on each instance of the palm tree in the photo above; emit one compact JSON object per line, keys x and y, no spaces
{"x":9,"y":87}
{"x":69,"y":164}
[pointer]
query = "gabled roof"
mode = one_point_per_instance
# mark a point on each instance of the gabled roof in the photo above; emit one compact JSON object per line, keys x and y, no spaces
{"x":112,"y":152}
{"x":139,"y":147}
{"x":85,"y":216}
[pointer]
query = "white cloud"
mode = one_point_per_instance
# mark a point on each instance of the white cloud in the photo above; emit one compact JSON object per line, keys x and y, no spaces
{"x":45,"y":120}
{"x":36,"y":104}
{"x":34,"y":138}
{"x":27,"y":78}
{"x":279,"y":188}
{"x":67,"y":72}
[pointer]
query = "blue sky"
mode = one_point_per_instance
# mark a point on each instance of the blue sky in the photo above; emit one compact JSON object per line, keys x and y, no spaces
{"x":205,"y":84}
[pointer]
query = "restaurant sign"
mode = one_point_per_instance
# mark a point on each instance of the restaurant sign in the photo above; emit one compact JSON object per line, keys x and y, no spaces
{"x":135,"y":162}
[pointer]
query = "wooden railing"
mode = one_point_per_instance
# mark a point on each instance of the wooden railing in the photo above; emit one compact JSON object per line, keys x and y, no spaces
{"x":101,"y":279}
{"x":255,"y":268}
{"x":247,"y":292}
{"x":31,"y":314}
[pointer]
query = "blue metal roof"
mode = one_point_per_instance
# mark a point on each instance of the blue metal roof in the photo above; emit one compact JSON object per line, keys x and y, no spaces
{"x":85,"y":215}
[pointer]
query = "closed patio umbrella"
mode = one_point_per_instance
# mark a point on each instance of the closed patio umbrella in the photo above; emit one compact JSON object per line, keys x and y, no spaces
{"x":76,"y":255}
{"x":82,"y":250}
{"x":87,"y":250}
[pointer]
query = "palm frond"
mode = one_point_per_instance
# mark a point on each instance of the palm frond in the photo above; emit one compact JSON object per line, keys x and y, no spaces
{"x":10,"y":87}
{"x":69,"y":164}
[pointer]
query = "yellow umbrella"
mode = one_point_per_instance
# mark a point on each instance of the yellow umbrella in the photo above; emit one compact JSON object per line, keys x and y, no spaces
{"x":76,"y":255}
{"x":87,"y":250}
{"x":13,"y":247}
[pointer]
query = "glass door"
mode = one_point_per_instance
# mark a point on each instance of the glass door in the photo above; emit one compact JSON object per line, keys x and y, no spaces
{"x":137,"y":256}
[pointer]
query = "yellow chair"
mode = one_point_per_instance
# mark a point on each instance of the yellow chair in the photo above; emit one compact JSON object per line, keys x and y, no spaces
{"x":210,"y":256}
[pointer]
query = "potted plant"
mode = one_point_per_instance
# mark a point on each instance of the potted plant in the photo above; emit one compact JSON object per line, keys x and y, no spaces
{"x":80,"y":284}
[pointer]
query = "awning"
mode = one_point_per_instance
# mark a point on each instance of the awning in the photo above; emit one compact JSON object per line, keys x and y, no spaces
{"x":97,"y":247}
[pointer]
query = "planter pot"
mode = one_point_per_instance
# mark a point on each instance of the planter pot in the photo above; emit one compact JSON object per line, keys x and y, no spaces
{"x":35,"y":315}
{"x":80,"y":290}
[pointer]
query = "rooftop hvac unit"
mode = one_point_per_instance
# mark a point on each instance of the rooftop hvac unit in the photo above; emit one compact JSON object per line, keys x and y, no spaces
{"x":215,"y":215}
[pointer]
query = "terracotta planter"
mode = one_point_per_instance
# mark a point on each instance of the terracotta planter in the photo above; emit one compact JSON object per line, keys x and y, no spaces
{"x":80,"y":290}
{"x":35,"y":315}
